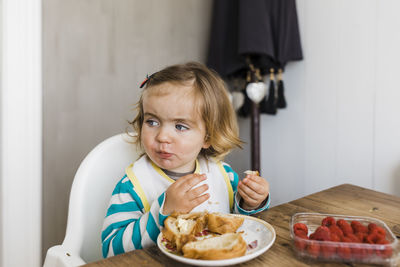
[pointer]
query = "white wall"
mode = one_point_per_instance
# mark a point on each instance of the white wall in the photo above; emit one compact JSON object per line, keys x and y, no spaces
{"x":342,"y":123}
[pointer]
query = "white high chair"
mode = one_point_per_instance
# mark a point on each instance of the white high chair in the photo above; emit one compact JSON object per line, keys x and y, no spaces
{"x":91,"y":191}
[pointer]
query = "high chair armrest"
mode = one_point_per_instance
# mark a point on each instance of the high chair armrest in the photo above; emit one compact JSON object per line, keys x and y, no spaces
{"x":59,"y":256}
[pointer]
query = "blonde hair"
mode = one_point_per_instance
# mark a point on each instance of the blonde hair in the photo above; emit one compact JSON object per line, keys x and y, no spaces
{"x":216,"y":109}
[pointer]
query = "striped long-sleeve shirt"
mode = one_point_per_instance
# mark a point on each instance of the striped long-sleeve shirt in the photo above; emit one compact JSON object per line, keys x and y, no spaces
{"x":129,"y":225}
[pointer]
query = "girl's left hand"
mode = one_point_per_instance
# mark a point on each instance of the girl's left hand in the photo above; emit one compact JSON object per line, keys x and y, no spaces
{"x":254,"y":190}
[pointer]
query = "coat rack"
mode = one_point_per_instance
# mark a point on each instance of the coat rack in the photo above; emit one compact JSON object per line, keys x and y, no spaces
{"x":255,"y":137}
{"x":256,"y":91}
{"x":267,"y":32}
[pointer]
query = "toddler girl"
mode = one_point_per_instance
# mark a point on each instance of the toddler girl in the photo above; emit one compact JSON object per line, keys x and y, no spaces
{"x":185,"y":125}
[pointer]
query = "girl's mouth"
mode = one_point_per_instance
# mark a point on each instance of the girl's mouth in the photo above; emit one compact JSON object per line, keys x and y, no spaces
{"x":164,"y":155}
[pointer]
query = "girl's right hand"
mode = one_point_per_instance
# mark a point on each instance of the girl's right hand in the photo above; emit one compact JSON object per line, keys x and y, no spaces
{"x":182,"y":197}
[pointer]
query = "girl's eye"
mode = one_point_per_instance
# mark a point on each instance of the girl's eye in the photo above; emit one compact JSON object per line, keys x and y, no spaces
{"x":151,"y":122}
{"x":181,"y":127}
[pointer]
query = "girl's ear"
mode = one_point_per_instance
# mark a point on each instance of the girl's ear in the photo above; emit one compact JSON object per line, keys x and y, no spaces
{"x":206,"y":145}
{"x":206,"y":142}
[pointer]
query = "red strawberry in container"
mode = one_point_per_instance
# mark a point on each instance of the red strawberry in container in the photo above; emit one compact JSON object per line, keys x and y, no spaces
{"x":301,"y":243}
{"x":358,"y":227}
{"x":373,"y":238}
{"x":346,"y":239}
{"x":313,"y":249}
{"x":300,"y":227}
{"x":384,"y":251}
{"x":371,"y":227}
{"x":328,"y":221}
{"x":327,"y":250}
{"x":353,"y":238}
{"x":344,"y":251}
{"x":322,"y":233}
{"x":335,"y":237}
{"x":344,"y":226}
{"x":361,"y":236}
{"x":336,"y":230}
{"x":300,"y":231}
{"x":359,"y":252}
{"x":379,"y":231}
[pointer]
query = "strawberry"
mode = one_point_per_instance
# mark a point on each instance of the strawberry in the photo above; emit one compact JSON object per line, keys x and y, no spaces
{"x":353,"y":238}
{"x":361,"y":236}
{"x":328,"y":221}
{"x":327,"y":250}
{"x":300,"y":233}
{"x":300,"y":227}
{"x":373,"y":238}
{"x":335,"y":237}
{"x":371,"y":226}
{"x":344,"y":226}
{"x":345,"y":239}
{"x":344,"y":252}
{"x":336,"y":230}
{"x":358,"y":227}
{"x":358,"y":252}
{"x":386,"y":251}
{"x":300,"y":243}
{"x":322,"y":233}
{"x":313,"y":249}
{"x":379,"y":231}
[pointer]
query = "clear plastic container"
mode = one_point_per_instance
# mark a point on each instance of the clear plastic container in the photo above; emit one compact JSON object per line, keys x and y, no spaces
{"x":382,"y":254}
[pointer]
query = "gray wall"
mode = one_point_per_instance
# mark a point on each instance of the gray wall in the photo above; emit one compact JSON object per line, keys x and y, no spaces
{"x":95,"y":54}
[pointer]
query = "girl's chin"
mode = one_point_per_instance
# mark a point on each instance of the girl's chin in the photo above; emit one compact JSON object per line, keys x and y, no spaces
{"x":164,"y":163}
{"x":170,"y":166}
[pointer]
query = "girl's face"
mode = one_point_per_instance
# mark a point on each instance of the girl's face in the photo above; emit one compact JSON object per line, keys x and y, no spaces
{"x":173,"y":133}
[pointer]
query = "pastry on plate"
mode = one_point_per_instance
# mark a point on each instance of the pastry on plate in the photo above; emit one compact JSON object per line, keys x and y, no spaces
{"x":220,"y":247}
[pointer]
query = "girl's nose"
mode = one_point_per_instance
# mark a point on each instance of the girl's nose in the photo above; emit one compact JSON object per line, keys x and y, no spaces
{"x":163,"y":135}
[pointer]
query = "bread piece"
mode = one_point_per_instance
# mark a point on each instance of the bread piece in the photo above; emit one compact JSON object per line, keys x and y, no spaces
{"x":252,"y":172}
{"x":225,"y":246}
{"x":187,"y":216}
{"x":223,"y":223}
{"x":181,"y":228}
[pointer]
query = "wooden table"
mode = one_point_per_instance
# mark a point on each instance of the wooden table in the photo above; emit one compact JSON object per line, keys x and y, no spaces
{"x":343,"y":199}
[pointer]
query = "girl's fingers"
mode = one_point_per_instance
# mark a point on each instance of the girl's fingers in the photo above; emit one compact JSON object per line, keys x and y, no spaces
{"x":191,"y":180}
{"x":249,"y":191}
{"x":194,"y":193}
{"x":198,"y":200}
{"x":249,"y":198}
{"x":257,"y":184}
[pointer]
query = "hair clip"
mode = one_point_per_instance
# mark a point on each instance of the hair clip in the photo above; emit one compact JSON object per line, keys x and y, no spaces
{"x":145,"y":81}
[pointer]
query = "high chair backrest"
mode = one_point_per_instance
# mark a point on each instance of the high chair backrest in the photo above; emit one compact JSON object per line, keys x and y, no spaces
{"x":91,"y":191}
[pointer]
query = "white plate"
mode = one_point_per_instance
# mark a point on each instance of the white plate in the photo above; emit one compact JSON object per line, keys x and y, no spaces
{"x":253,"y":228}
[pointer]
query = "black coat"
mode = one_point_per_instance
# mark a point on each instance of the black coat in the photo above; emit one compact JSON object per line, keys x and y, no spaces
{"x":266,"y":31}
